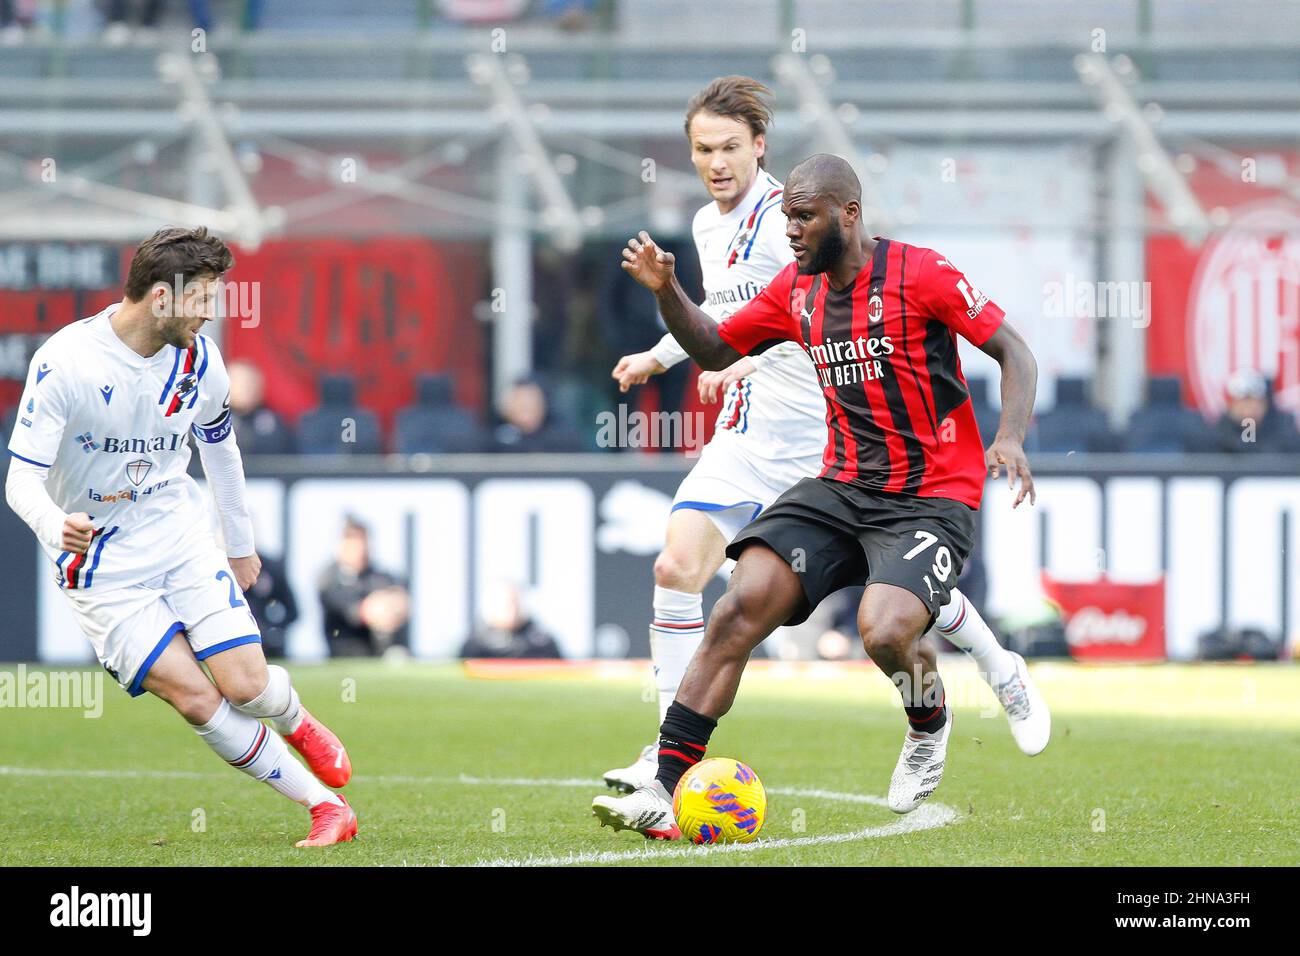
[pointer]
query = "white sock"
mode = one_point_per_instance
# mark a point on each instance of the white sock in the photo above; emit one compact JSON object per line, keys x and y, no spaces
{"x":248,"y":745}
{"x":278,"y":703}
{"x":960,"y":623}
{"x":675,"y":633}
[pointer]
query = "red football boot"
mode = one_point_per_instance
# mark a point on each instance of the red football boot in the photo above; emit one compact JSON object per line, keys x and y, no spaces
{"x":331,"y":823}
{"x":322,"y":750}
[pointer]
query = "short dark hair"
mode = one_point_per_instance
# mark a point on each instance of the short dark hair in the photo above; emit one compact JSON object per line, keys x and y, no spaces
{"x":740,"y":98}
{"x":189,"y":253}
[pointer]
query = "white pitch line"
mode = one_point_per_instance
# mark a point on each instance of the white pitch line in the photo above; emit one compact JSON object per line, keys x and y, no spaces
{"x":462,"y":779}
{"x":928,"y":816}
{"x":82,"y":772}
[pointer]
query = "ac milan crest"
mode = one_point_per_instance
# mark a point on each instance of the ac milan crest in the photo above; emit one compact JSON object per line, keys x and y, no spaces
{"x":875,"y":308}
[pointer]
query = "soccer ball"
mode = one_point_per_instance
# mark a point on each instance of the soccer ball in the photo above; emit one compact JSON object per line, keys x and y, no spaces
{"x":720,"y":800}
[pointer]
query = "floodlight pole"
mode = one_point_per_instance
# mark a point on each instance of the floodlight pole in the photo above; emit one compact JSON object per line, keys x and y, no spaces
{"x":521,"y":158}
{"x":1122,"y":364}
{"x":1137,"y":159}
{"x":511,"y":299}
{"x":1169,"y":186}
{"x":559,"y":215}
{"x":212,"y":144}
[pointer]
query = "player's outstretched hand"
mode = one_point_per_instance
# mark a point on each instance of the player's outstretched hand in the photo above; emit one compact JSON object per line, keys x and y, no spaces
{"x":712,"y":384}
{"x":78,"y":530}
{"x":636,"y":370}
{"x":1005,"y":451}
{"x":647,"y":263}
{"x":246,"y":570}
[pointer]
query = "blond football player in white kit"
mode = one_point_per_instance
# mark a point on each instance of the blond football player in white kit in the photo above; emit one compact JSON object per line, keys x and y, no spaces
{"x":771,"y":431}
{"x":98,"y":471}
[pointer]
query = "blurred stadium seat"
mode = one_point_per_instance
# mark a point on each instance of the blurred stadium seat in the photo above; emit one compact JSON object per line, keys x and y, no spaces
{"x":339,"y":425}
{"x":1073,"y":423}
{"x":435,"y":424}
{"x":1164,"y":425}
{"x":986,"y":416}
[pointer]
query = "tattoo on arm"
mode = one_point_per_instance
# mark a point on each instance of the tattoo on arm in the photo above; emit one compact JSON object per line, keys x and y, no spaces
{"x":693,"y":329}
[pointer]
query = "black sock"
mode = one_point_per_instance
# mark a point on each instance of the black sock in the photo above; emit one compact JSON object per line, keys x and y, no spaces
{"x":683,"y":738}
{"x":925,"y":719}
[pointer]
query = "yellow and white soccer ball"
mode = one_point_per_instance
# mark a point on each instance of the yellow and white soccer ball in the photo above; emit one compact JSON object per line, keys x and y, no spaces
{"x":720,"y":800}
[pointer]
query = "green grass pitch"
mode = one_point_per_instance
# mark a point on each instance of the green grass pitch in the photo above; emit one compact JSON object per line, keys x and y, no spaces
{"x":1160,"y":765}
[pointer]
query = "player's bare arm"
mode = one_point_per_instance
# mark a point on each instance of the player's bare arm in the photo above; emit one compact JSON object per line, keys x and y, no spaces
{"x":691,"y":326}
{"x":1019,"y":381}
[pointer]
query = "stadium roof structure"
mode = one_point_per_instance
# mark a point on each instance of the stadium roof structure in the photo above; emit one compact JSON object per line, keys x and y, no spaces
{"x":558,"y":138}
{"x":423,"y":118}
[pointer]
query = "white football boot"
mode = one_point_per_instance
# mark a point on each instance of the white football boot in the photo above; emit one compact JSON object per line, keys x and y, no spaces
{"x":641,"y":772}
{"x":919,"y":768}
{"x":1031,"y":721}
{"x":647,"y":810}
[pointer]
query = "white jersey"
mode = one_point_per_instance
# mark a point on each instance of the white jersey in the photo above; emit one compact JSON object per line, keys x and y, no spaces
{"x":779,"y":412}
{"x":113,"y":427}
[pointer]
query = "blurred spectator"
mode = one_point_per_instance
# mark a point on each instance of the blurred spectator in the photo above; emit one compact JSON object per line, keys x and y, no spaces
{"x":482,"y":11}
{"x":436,"y":424}
{"x":1165,"y":425}
{"x":1251,"y":422}
{"x":250,"y":11}
{"x":339,"y":425}
{"x":118,"y":13}
{"x":569,"y":14}
{"x":829,"y":634}
{"x":16,"y":16}
{"x":273,"y":606}
{"x":528,"y":425}
{"x":553,"y":313}
{"x":1073,"y":423}
{"x":366,"y":609}
{"x":841,"y":640}
{"x":259,"y":430}
{"x":507,"y":630}
{"x":831,"y":631}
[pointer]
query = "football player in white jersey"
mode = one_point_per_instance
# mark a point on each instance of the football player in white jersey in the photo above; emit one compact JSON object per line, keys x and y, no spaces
{"x":771,"y":431}
{"x":98,"y":471}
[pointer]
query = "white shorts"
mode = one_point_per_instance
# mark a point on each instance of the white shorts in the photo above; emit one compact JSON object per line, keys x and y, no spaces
{"x":130,"y":627}
{"x":732,"y":486}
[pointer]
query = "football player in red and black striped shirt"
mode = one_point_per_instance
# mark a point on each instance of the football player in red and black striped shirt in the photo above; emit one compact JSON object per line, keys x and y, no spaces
{"x":904,"y":466}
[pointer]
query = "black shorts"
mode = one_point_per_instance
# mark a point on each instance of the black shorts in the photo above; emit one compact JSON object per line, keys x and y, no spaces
{"x":835,"y":535}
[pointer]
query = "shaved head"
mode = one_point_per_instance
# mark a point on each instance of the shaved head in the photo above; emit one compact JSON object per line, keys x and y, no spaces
{"x":826,"y":176}
{"x":822,"y":206}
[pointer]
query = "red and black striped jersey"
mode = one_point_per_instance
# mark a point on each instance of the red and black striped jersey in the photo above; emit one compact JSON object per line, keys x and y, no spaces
{"x":898,"y":413}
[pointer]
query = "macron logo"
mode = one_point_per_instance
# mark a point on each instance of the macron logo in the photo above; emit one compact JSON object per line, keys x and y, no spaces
{"x":43,"y":371}
{"x":103,"y":909}
{"x":107,"y":392}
